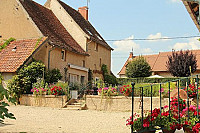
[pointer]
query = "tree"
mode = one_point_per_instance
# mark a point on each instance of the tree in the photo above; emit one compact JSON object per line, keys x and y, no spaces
{"x":181,"y":64}
{"x":138,"y":68}
{"x":3,"y":105}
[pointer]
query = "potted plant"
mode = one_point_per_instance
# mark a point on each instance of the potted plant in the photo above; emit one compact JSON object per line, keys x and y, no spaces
{"x":148,"y":124}
{"x":190,"y":123}
{"x":165,"y":120}
{"x":126,"y":90}
{"x":192,"y":91}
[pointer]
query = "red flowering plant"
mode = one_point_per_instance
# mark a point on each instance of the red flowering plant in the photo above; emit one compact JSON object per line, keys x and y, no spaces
{"x":166,"y":120}
{"x":137,"y":123}
{"x":56,"y":90}
{"x":192,"y":120}
{"x":192,"y":90}
{"x":108,"y":91}
{"x":126,"y":89}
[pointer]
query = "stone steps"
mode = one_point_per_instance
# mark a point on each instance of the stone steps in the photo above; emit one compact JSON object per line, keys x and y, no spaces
{"x":75,"y":105}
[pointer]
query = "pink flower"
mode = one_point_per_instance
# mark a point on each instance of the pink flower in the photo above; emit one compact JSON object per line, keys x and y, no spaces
{"x":161,"y":90}
{"x":166,"y":106}
{"x":37,"y":90}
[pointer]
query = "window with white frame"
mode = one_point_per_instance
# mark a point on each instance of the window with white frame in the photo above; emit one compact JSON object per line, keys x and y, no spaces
{"x":74,"y":78}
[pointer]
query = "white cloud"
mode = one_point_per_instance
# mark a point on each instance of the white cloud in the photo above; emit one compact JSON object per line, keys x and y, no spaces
{"x":192,"y":44}
{"x":127,"y":44}
{"x":157,"y":36}
{"x":175,"y":1}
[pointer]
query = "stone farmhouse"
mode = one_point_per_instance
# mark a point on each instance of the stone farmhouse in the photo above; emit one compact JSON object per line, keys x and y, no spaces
{"x":55,"y":34}
{"x":158,"y":63}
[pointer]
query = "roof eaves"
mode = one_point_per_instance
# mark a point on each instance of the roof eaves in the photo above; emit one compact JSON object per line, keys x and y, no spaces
{"x":190,"y":11}
{"x":45,"y":40}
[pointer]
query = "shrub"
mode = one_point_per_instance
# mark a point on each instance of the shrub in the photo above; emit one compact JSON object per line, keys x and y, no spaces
{"x":108,"y":78}
{"x":26,"y":76}
{"x":52,"y":76}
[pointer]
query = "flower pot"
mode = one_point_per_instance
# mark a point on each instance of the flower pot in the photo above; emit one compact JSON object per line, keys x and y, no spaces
{"x":168,"y":131}
{"x":146,"y":131}
{"x":187,"y":130}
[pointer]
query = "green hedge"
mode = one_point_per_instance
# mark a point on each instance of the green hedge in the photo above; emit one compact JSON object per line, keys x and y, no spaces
{"x":149,"y":80}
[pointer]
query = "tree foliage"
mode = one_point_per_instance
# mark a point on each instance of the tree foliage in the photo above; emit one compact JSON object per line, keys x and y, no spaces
{"x":138,"y":68}
{"x":108,"y":78}
{"x":3,"y":105}
{"x":52,"y":76}
{"x":180,"y":63}
{"x":26,"y":76}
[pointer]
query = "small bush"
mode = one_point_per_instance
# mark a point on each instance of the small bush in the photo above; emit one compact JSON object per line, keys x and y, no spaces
{"x":52,"y":76}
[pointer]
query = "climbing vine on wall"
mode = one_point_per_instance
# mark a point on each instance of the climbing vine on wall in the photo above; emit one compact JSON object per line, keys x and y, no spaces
{"x":6,"y":43}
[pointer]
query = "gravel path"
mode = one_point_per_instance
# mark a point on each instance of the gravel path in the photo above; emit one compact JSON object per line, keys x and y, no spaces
{"x":44,"y":119}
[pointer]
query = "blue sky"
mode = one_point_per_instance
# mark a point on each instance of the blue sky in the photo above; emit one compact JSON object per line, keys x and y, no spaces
{"x":122,"y":19}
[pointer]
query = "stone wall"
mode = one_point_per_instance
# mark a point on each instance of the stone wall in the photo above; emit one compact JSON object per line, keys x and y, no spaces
{"x":43,"y":101}
{"x":121,"y":103}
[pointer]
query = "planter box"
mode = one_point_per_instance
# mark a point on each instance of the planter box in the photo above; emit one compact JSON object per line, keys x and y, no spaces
{"x":43,"y":100}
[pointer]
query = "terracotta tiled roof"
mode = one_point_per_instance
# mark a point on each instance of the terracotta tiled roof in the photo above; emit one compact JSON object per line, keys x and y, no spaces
{"x":17,"y":52}
{"x":158,"y":61}
{"x":130,"y":58}
{"x":85,"y":25}
{"x":51,"y":27}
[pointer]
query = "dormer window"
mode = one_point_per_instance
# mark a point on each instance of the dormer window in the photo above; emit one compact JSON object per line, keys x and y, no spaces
{"x":14,"y":49}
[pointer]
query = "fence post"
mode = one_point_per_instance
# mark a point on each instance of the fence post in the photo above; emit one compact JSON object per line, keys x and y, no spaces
{"x":133,"y":86}
{"x":178,"y":101}
{"x":197,"y":81}
{"x":169,"y":101}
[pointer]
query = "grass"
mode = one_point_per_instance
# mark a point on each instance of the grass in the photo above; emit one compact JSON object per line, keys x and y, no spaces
{"x":155,"y":88}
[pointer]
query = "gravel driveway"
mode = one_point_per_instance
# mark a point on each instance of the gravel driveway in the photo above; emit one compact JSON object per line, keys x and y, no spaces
{"x":44,"y":119}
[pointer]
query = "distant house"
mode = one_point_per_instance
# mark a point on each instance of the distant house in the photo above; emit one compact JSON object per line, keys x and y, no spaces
{"x":158,"y":63}
{"x":64,"y":47}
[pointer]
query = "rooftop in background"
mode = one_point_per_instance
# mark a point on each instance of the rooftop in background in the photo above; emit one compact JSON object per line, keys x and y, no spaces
{"x":158,"y":61}
{"x":17,"y":52}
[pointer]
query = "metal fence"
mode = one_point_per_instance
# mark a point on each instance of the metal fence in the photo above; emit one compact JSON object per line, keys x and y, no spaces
{"x":186,"y":81}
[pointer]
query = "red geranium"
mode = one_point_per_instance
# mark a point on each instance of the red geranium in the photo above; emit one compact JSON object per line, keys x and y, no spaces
{"x":56,"y":90}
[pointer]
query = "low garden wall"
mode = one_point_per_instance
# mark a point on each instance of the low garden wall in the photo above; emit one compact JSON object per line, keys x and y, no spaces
{"x":43,"y":101}
{"x":122,"y":103}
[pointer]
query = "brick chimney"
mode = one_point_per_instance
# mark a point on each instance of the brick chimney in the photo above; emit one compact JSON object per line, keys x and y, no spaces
{"x":84,"y":12}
